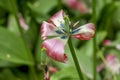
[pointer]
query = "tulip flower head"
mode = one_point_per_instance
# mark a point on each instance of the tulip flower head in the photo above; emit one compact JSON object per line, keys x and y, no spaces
{"x":57,"y":31}
{"x":112,"y":63}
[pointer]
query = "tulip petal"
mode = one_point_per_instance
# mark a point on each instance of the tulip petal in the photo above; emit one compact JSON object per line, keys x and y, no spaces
{"x":85,"y":32}
{"x":47,"y":77}
{"x":55,"y":48}
{"x":113,"y":63}
{"x":58,"y":19}
{"x":47,"y":29}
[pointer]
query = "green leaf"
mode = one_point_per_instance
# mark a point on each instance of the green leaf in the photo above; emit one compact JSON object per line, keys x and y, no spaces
{"x":118,"y":77}
{"x":44,"y":6}
{"x":12,"y":48}
{"x":6,"y":74}
{"x":106,"y":19}
{"x":40,"y":75}
{"x":41,"y":8}
{"x":84,"y":59}
{"x":84,"y":55}
{"x":87,"y":48}
{"x":12,"y":25}
{"x":86,"y":63}
{"x":101,"y":36}
{"x":116,"y":19}
{"x":66,"y":73}
{"x":31,"y":34}
{"x":20,"y":74}
{"x":39,"y":16}
{"x":5,"y":4}
{"x":100,"y":5}
{"x":4,"y":63}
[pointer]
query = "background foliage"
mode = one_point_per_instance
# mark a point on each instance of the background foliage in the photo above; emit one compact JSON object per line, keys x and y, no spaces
{"x":21,"y":62}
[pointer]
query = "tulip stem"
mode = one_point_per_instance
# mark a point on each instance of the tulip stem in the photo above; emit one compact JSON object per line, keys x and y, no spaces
{"x":94,"y":41}
{"x":75,"y":59}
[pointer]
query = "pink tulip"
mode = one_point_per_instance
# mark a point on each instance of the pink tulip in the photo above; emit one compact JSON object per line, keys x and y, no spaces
{"x":112,"y":63}
{"x":55,"y":35}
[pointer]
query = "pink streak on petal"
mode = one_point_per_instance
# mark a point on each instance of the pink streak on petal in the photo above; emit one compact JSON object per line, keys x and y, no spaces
{"x":47,"y":77}
{"x":47,"y":29}
{"x":91,"y":26}
{"x":23,"y":24}
{"x":86,"y":32}
{"x":55,"y":49}
{"x":53,"y":69}
{"x":110,"y":57}
{"x":58,"y":18}
{"x":113,"y":63}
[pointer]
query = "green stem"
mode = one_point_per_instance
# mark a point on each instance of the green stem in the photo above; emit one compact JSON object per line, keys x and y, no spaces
{"x":75,"y":59}
{"x":102,"y":57}
{"x":94,"y":59}
{"x":38,"y":50}
{"x":94,"y":41}
{"x":14,"y":11}
{"x":32,"y":73}
{"x":59,"y":4}
{"x":114,"y":76}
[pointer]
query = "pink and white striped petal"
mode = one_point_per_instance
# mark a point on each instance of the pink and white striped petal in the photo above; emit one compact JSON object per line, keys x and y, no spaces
{"x":55,"y":49}
{"x":113,"y":63}
{"x":58,"y":18}
{"x":85,"y":32}
{"x":47,"y":29}
{"x":47,"y":76}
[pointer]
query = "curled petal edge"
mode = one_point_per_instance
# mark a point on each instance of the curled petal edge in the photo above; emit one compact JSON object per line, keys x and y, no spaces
{"x":85,"y":32}
{"x":55,"y":49}
{"x":58,"y":18}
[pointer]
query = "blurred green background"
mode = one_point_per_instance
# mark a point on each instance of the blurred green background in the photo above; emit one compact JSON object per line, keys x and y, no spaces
{"x":21,"y":62}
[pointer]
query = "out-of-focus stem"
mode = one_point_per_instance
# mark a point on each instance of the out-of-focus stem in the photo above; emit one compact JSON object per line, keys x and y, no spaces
{"x":14,"y":11}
